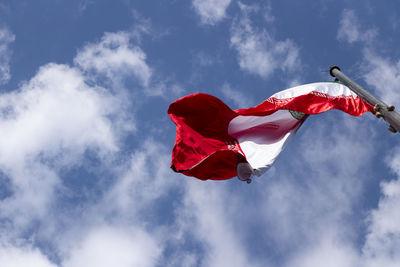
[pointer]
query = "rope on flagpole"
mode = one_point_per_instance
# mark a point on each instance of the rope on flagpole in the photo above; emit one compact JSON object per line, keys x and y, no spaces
{"x":381,"y":109}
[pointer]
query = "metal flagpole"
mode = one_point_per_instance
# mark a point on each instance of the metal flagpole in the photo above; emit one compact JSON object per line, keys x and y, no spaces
{"x":382,"y":110}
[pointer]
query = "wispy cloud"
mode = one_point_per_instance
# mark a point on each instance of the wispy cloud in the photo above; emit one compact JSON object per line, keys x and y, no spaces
{"x":83,"y":5}
{"x":329,"y":251}
{"x":6,"y":38}
{"x":144,"y":180}
{"x":133,"y":210}
{"x":211,"y":11}
{"x":330,"y":171}
{"x":382,"y":74}
{"x":115,"y":58}
{"x":23,"y":256}
{"x":49,"y":124}
{"x":119,"y":227}
{"x":382,"y":245}
{"x":350,"y":29}
{"x":108,"y":246}
{"x":213,"y":226}
{"x":240,"y":99}
{"x":118,"y":59}
{"x":258,"y":52}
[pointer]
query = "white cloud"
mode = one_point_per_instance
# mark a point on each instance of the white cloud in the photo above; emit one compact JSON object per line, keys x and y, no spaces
{"x":118,"y":225}
{"x":6,"y":38}
{"x":46,"y":125}
{"x":382,"y":245}
{"x":309,"y":204}
{"x":55,"y":118}
{"x":59,"y":115}
{"x":11,"y":256}
{"x":383,"y":74}
{"x":83,"y":5}
{"x":350,"y":29}
{"x":50,"y":124}
{"x":50,"y":111}
{"x":313,"y":219}
{"x":382,"y":241}
{"x":107,"y":246}
{"x":204,"y":60}
{"x":147,"y":178}
{"x":206,"y":215}
{"x":115,"y":58}
{"x":330,"y":251}
{"x":268,"y":17}
{"x":240,"y":99}
{"x":145,"y":184}
{"x":211,"y":11}
{"x":258,"y":52}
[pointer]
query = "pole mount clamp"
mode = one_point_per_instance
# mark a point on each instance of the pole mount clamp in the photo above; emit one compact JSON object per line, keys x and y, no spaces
{"x":392,"y":129}
{"x":377,"y":107}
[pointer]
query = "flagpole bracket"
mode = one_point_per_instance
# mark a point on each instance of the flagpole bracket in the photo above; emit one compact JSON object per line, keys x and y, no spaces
{"x":377,"y":107}
{"x":391,"y":128}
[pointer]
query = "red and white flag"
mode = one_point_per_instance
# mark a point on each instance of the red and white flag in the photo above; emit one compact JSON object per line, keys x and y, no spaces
{"x":217,"y":143}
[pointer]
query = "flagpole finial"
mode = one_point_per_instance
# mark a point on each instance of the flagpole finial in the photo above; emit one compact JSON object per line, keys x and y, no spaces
{"x":331,"y":68}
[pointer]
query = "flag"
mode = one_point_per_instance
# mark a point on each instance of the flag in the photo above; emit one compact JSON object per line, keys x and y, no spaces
{"x":215,"y":142}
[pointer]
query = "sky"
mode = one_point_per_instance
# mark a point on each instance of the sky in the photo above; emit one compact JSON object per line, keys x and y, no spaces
{"x":86,"y":141}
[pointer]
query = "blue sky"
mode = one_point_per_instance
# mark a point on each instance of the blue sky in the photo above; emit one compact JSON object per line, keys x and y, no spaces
{"x":86,"y":140}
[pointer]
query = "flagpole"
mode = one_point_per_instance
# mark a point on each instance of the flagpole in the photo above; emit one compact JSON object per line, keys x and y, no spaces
{"x":382,"y":110}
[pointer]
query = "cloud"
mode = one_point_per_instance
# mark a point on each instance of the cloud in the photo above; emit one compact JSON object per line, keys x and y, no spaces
{"x":383,"y":75}
{"x":258,"y":52}
{"x":11,"y":256}
{"x":382,"y":239}
{"x":48,"y":125}
{"x":147,"y":185}
{"x":211,"y":11}
{"x":206,"y":215}
{"x":50,"y":111}
{"x":330,"y":251}
{"x":118,"y":62}
{"x":382,"y":245}
{"x":121,"y":223}
{"x":237,"y":97}
{"x":6,"y":38}
{"x":314,"y":220}
{"x":204,"y":60}
{"x":107,"y":246}
{"x":350,"y":29}
{"x":146,"y":179}
{"x":70,"y":117}
{"x":83,"y":5}
{"x":144,"y":215}
{"x":115,"y":58}
{"x":311,"y":205}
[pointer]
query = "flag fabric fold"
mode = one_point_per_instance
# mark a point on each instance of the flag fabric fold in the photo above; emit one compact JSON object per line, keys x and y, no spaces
{"x":215,"y":142}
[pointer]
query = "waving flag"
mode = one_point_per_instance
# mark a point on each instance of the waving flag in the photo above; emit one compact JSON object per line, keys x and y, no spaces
{"x":215,"y":142}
